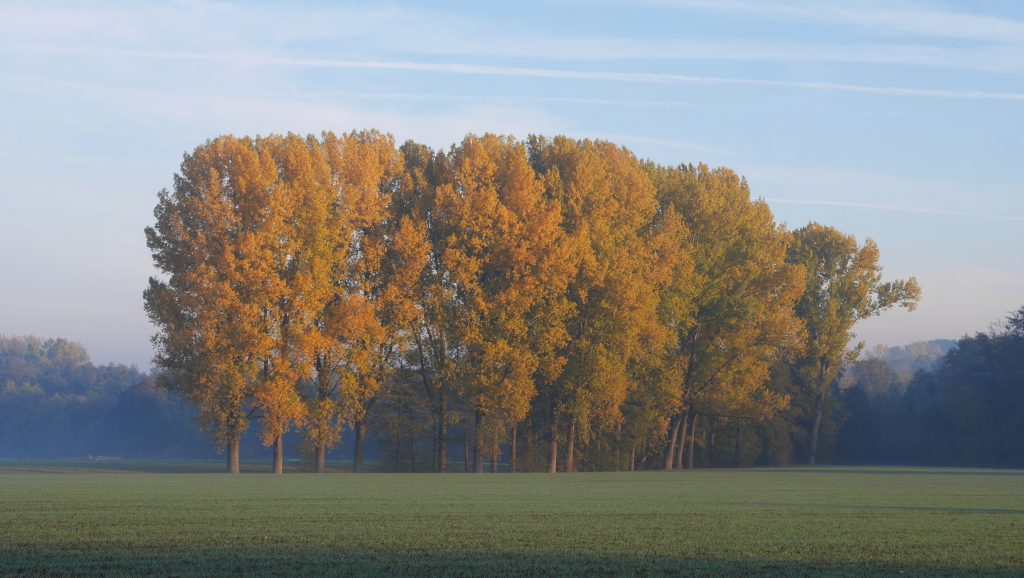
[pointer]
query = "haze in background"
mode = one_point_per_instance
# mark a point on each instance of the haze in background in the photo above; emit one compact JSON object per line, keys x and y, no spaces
{"x":899,"y":121}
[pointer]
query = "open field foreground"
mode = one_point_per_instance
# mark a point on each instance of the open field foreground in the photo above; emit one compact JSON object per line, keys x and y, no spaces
{"x":831,"y":521}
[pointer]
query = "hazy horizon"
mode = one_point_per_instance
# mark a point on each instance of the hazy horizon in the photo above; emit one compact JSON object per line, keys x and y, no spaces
{"x":894,"y":121}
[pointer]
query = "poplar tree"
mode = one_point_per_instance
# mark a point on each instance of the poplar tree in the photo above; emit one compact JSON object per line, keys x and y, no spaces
{"x":741,"y":298}
{"x":209,"y":245}
{"x":843,"y":285}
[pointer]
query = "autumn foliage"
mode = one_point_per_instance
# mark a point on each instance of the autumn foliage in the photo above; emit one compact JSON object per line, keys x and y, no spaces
{"x":541,"y":297}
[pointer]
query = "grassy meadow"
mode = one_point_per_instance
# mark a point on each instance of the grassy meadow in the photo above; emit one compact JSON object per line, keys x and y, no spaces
{"x":111,"y":520}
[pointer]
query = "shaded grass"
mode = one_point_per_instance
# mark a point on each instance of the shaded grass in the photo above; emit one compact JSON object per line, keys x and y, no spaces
{"x":779,"y":522}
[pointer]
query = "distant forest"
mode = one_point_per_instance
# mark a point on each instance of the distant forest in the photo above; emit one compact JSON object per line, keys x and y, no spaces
{"x":960,"y":408}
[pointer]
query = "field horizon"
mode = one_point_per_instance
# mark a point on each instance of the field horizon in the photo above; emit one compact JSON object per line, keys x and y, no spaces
{"x":764,"y":521}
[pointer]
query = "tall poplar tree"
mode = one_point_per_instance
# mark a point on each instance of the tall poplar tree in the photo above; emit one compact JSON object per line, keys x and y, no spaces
{"x":741,"y":298}
{"x":843,"y":285}
{"x":208,"y":305}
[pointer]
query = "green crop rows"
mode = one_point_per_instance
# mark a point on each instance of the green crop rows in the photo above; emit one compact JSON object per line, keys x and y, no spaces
{"x":834,"y":521}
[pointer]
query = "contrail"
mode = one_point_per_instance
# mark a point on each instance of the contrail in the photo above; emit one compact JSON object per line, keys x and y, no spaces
{"x":893,"y":208}
{"x":546,"y":73}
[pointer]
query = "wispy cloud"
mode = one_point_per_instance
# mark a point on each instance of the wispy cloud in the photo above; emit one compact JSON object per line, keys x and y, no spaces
{"x":874,"y":16}
{"x":915,"y":209}
{"x":258,"y":60}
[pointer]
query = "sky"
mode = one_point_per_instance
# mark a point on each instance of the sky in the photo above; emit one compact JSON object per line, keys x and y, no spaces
{"x":899,"y":121}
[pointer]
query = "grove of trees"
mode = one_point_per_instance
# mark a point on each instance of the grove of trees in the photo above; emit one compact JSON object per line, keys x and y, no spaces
{"x":553,"y":304}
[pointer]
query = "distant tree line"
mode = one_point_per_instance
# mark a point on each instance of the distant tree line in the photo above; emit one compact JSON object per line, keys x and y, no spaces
{"x":55,"y":403}
{"x":556,"y":301}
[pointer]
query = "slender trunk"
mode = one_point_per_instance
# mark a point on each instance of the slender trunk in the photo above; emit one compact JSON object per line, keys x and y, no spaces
{"x":467,"y":444}
{"x":412,"y":453}
{"x":553,"y":454}
{"x":478,"y":444}
{"x":712,"y":454}
{"x":570,"y":464}
{"x":670,"y":451}
{"x":813,"y":451}
{"x":632,"y":458}
{"x":442,"y":436}
{"x":689,"y":450}
{"x":233,"y":442}
{"x":433,"y":443}
{"x":321,"y":454}
{"x":398,"y":448}
{"x":528,"y":440}
{"x":512,"y":453}
{"x":618,"y":448}
{"x":681,"y":442}
{"x":739,"y":433}
{"x":494,"y":455}
{"x":357,"y":458}
{"x":278,"y":455}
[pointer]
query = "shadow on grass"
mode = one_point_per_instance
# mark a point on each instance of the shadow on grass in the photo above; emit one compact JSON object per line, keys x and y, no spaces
{"x":279,"y":562}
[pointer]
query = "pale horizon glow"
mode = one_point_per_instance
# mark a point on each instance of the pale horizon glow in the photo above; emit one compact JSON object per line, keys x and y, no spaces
{"x":896,"y":121}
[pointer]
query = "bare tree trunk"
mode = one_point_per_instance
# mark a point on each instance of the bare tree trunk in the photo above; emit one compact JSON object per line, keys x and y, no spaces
{"x":528,"y":441}
{"x":570,"y":464}
{"x":512,"y":465}
{"x":398,"y":448}
{"x":553,"y":454}
{"x":467,"y":445}
{"x":357,"y":458}
{"x":689,"y":450}
{"x":433,"y":443}
{"x":812,"y":452}
{"x":442,"y":435}
{"x":494,"y":455}
{"x":278,"y":455}
{"x":632,"y":458}
{"x":670,"y":451}
{"x":618,"y":446}
{"x":713,"y":429}
{"x":478,"y":444}
{"x":321,"y":458}
{"x":681,"y":442}
{"x":412,"y":453}
{"x":233,"y":442}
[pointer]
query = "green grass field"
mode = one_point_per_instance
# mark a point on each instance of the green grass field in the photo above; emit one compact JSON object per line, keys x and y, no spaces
{"x":57,"y":520}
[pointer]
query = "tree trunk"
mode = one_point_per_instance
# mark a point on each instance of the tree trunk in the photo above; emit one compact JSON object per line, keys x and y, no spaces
{"x":670,"y":451}
{"x":632,"y":458}
{"x":681,"y":442}
{"x":512,"y":465}
{"x":321,"y":455}
{"x":467,"y":445}
{"x":739,"y":433}
{"x":357,"y":458}
{"x":442,"y":436}
{"x":494,"y":455}
{"x":233,"y":443}
{"x":478,"y":444}
{"x":813,"y":451}
{"x":553,"y":454}
{"x":618,"y":446}
{"x":278,"y":455}
{"x":433,"y":443}
{"x":570,"y":463}
{"x":398,"y":448}
{"x":689,"y":450}
{"x":412,"y":453}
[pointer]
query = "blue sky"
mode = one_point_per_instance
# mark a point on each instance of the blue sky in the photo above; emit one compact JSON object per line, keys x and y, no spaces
{"x":900,"y":121}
